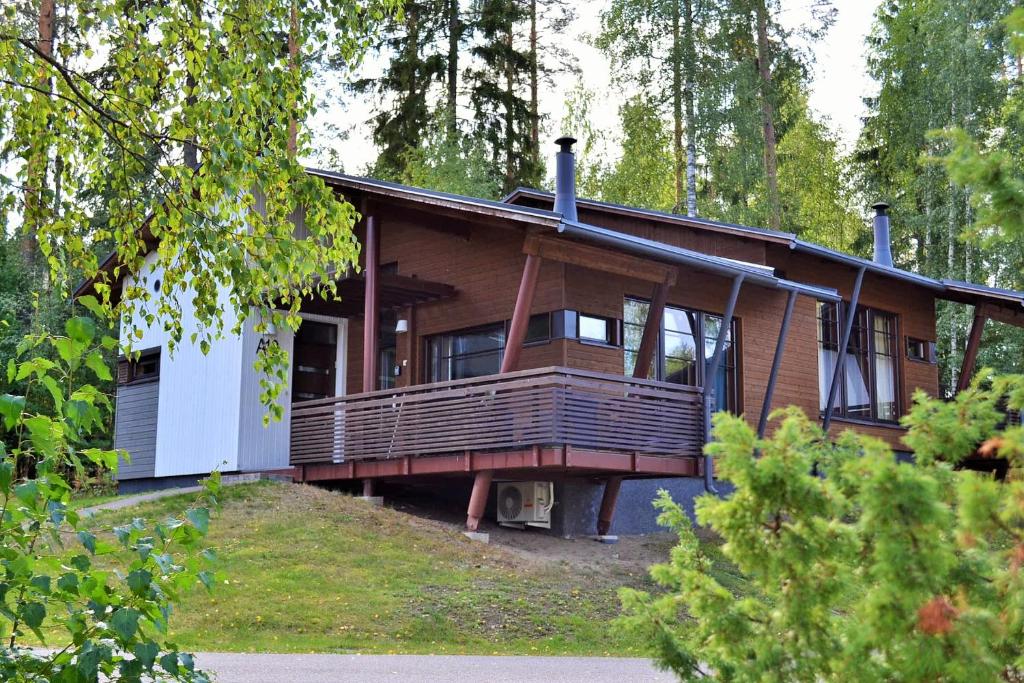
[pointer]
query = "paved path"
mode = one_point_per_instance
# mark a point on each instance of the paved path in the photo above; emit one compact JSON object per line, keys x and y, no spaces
{"x":135,"y":499}
{"x":262,"y":668}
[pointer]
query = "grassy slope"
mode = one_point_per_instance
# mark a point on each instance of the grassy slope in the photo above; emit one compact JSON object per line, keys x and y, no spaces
{"x":307,"y":570}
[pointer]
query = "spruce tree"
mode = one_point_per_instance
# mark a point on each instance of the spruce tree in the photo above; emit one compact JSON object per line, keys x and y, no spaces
{"x":502,"y":112}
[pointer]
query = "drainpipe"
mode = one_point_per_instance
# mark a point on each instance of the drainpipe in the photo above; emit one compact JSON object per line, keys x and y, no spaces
{"x":709,"y":376}
{"x":826,"y":420}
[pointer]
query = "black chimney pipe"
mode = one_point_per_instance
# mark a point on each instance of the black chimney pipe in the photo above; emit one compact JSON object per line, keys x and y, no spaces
{"x":883,"y":244}
{"x":565,"y":178}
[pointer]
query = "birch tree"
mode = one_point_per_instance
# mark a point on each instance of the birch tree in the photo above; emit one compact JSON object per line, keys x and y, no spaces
{"x":673,"y":67}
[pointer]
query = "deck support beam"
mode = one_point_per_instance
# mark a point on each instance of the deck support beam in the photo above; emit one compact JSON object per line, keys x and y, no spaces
{"x":652,"y":332}
{"x":521,"y":315}
{"x":780,"y":347}
{"x":971,"y":352}
{"x":711,"y":371}
{"x":509,"y":363}
{"x":478,"y":499}
{"x":851,"y":310}
{"x":371,"y":305}
{"x":608,"y":500}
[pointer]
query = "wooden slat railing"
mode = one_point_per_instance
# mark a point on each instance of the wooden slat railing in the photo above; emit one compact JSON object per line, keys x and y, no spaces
{"x":543,"y":407}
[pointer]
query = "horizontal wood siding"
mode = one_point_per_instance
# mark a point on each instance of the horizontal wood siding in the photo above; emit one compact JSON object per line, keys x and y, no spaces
{"x":135,"y":428}
{"x":543,"y":407}
{"x":484,"y":265}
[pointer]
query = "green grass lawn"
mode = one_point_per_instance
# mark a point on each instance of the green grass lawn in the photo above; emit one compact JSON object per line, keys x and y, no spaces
{"x":306,"y":570}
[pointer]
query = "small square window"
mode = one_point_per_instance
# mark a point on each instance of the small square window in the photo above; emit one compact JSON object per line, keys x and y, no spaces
{"x":594,"y":328}
{"x":538,"y":329}
{"x":146,"y":367}
{"x":920,"y":350}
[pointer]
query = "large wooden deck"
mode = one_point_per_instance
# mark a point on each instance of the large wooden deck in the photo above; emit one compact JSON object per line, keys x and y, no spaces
{"x":552,"y":417}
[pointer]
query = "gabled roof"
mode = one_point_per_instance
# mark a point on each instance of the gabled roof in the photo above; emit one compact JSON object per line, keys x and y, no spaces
{"x":953,"y":290}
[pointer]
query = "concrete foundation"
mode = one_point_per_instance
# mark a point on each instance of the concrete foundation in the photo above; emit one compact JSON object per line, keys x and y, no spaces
{"x":577,"y":504}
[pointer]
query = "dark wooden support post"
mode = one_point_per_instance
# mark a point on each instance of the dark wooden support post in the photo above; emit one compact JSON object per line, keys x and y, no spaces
{"x":780,"y":347}
{"x":509,"y":362}
{"x":652,"y":332}
{"x":368,"y":488}
{"x":371,"y":307}
{"x":833,"y":391}
{"x":711,"y":371}
{"x":521,"y":314}
{"x":971,"y":352}
{"x":478,"y":499}
{"x":611,"y":495}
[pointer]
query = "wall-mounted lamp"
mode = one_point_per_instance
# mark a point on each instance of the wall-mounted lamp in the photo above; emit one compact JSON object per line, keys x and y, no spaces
{"x":401,"y":326}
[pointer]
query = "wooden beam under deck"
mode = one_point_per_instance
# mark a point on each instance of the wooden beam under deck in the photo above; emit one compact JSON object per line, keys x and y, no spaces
{"x":526,"y":461}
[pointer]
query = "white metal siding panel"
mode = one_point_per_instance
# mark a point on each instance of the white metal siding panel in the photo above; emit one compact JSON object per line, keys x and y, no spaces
{"x":259,"y":447}
{"x":263,"y":448}
{"x":199,"y":396}
{"x":135,"y":428}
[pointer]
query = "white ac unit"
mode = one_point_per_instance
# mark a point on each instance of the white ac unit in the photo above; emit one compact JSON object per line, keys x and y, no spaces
{"x":526,"y":502}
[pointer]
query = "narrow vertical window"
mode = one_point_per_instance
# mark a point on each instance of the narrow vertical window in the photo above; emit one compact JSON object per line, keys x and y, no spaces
{"x":868,"y":388}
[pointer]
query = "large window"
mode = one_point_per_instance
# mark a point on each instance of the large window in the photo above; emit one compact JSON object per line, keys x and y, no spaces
{"x":868,"y":386}
{"x":685,"y":346}
{"x":465,"y":354}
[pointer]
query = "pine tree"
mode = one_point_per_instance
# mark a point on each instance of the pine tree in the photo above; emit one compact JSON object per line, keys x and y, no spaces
{"x":502,"y":113}
{"x":417,"y":64}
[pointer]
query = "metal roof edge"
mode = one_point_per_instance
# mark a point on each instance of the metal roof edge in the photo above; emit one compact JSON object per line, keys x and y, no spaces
{"x":371,"y":184}
{"x":762,"y":233}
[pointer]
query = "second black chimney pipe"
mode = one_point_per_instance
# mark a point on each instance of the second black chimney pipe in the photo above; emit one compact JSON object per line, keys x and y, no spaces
{"x":565,"y":178}
{"x":883,"y":244}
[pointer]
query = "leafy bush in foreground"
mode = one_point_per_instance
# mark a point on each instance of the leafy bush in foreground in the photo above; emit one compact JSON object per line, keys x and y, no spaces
{"x":861,"y":567}
{"x":112,"y":622}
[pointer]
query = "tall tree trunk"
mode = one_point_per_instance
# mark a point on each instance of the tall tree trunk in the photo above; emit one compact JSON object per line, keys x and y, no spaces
{"x":771,"y":171}
{"x":191,"y":151}
{"x":293,"y":63}
{"x":453,"y":66}
{"x":534,"y":105}
{"x":677,"y":107}
{"x":510,"y":162}
{"x":38,"y":159}
{"x":690,"y":68}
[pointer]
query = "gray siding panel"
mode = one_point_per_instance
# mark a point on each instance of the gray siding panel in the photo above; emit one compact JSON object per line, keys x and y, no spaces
{"x":135,"y":428}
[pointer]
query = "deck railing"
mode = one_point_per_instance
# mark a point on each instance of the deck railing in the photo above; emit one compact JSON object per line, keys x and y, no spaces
{"x":544,"y":407}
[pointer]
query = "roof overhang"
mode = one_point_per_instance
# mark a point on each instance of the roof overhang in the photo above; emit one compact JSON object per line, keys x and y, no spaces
{"x":716,"y":265}
{"x":1001,"y":304}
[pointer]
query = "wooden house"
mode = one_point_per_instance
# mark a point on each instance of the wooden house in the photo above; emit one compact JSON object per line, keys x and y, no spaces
{"x":547,"y":338}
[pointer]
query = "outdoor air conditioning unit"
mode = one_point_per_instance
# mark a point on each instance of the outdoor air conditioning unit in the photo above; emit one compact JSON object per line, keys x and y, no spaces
{"x":525,"y":503}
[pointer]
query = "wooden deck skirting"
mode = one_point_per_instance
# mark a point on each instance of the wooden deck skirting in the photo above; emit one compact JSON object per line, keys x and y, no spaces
{"x":549,"y":417}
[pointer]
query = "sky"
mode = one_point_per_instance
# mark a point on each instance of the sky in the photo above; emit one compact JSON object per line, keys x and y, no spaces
{"x":839,"y":80}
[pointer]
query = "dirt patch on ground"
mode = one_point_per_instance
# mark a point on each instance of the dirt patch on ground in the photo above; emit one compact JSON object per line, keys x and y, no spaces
{"x":631,"y":556}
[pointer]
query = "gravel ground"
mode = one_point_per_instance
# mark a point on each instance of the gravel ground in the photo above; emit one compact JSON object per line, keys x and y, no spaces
{"x":266,"y":668}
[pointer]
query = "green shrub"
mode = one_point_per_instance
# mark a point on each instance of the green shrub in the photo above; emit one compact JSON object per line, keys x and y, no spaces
{"x":112,"y":622}
{"x":862,"y":567}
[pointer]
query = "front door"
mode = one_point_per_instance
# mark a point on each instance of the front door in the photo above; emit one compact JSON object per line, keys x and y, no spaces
{"x":315,"y":356}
